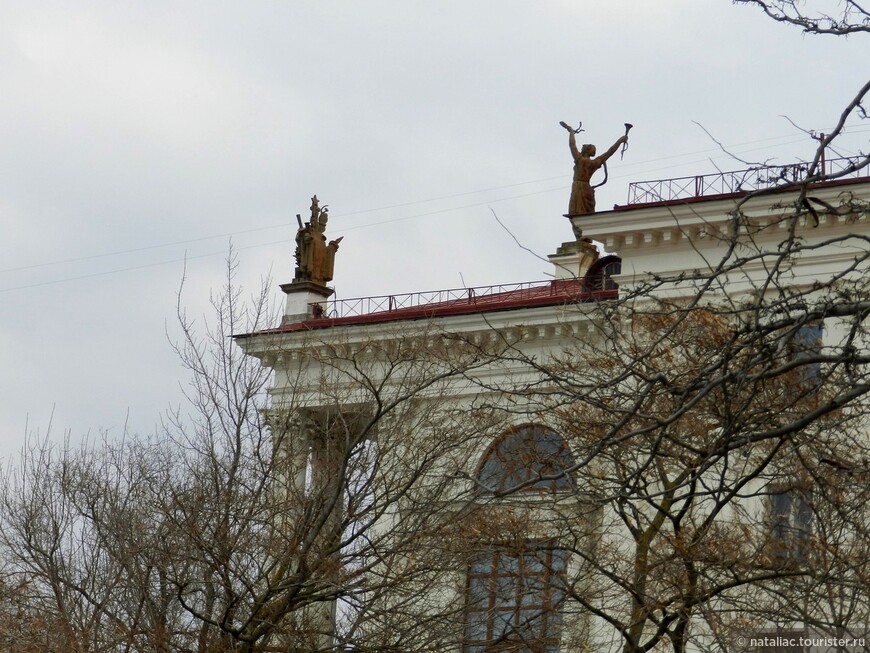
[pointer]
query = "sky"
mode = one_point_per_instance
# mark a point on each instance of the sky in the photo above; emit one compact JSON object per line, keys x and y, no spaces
{"x":140,"y":141}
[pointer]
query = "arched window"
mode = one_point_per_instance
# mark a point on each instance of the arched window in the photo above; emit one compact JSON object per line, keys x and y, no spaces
{"x":599,"y":275}
{"x":515,"y":594}
{"x":526,"y":453}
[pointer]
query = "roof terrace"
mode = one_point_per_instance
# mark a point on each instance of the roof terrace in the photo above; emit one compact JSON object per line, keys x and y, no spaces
{"x":736,"y":182}
{"x":596,"y":284}
{"x":442,"y":303}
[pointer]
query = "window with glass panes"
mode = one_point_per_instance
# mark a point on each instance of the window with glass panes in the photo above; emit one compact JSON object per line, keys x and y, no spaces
{"x":791,"y":523}
{"x":515,"y":600}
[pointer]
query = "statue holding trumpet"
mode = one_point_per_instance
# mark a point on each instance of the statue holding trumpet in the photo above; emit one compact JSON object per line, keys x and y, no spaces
{"x":587,"y":164}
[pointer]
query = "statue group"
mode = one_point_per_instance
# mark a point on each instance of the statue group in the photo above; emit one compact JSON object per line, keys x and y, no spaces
{"x":587,"y":164}
{"x":315,"y":258}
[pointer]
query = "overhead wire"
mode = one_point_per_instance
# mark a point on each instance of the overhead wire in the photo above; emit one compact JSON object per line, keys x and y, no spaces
{"x":267,"y":244}
{"x":413,"y":203}
{"x":791,"y":140}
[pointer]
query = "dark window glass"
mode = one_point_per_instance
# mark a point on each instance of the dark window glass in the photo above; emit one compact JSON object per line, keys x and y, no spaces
{"x":807,"y":344}
{"x":791,"y":520}
{"x":525,"y":454}
{"x":515,"y":600}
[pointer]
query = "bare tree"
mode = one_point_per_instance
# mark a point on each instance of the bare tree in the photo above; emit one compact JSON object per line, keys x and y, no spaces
{"x":718,"y":424}
{"x":712,"y":482}
{"x":688,"y":425}
{"x":842,"y":18}
{"x":297,"y":526}
{"x":718,"y":420}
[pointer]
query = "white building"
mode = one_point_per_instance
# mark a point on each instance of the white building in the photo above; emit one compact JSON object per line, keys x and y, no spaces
{"x":690,"y":508}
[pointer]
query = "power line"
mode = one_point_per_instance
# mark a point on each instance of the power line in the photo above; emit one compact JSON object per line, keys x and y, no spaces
{"x":266,"y":244}
{"x":131,"y":268}
{"x":141,"y":249}
{"x":284,"y":225}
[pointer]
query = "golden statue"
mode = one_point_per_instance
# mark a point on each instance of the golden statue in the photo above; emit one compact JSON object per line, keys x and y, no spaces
{"x":585,"y":165}
{"x":315,"y":259}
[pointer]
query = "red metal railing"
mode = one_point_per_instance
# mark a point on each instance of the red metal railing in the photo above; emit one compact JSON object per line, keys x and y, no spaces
{"x":480,"y":295}
{"x":736,"y":181}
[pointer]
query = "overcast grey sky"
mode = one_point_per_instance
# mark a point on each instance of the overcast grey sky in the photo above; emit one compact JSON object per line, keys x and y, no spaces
{"x":137,"y":134}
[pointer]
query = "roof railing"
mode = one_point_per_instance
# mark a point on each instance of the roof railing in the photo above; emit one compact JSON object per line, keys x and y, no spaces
{"x":736,"y":181}
{"x":478,"y":295}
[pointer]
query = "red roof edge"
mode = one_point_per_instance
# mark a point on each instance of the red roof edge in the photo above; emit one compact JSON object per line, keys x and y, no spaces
{"x":568,"y":295}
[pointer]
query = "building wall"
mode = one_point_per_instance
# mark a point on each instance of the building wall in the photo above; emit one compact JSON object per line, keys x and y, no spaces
{"x":459,"y":382}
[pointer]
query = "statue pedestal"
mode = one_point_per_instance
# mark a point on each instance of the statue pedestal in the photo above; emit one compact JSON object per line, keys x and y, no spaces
{"x":574,"y":258}
{"x":301,"y":296}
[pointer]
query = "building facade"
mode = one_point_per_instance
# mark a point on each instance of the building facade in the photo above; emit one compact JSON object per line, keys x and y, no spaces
{"x":659,"y":447}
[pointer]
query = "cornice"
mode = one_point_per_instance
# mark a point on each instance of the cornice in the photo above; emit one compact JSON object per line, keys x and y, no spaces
{"x":705,"y":223}
{"x":523,"y":327}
